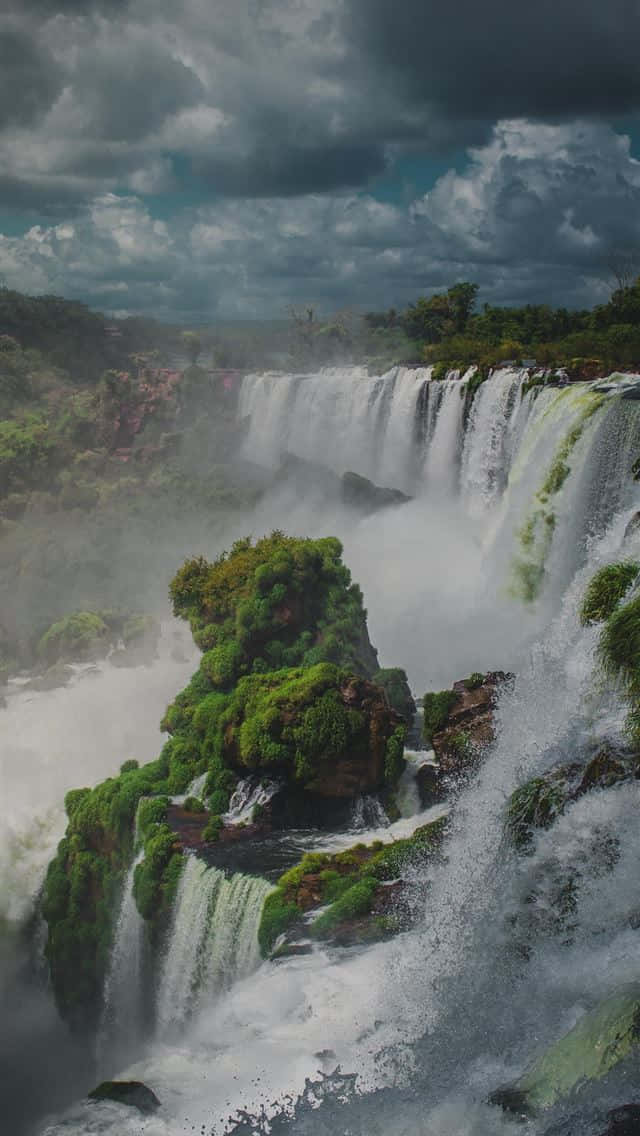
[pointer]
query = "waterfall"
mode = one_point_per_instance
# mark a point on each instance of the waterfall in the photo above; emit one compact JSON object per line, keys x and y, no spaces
{"x":485,"y":458}
{"x":122,"y":1019}
{"x":368,"y":813}
{"x":441,"y":462}
{"x":213,"y":939}
{"x":429,"y":1023}
{"x":249,"y":792}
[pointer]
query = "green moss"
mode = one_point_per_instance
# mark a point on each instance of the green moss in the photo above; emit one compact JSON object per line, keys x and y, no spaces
{"x":193,"y":805}
{"x":213,"y":829}
{"x":606,"y":589}
{"x":278,"y":915}
{"x":440,"y":371}
{"x":346,"y":880}
{"x":474,"y":681}
{"x":437,"y":707}
{"x":620,"y":644}
{"x":356,"y":901}
{"x":77,"y":636}
{"x":534,"y":805}
{"x":536,"y":534}
{"x":393,"y":681}
{"x":156,"y":877}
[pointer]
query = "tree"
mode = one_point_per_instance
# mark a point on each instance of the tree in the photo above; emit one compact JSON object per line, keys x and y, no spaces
{"x":192,"y":345}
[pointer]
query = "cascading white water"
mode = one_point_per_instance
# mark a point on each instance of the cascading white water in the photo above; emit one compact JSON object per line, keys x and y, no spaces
{"x":450,"y":1010}
{"x":249,"y":793}
{"x":122,"y":1019}
{"x":486,"y":454}
{"x":213,"y":939}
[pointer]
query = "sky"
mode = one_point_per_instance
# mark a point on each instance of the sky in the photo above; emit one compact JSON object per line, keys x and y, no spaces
{"x":224,"y":159}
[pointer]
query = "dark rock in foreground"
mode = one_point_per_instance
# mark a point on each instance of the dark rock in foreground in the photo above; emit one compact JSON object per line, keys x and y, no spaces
{"x":623,"y":1121}
{"x":132,"y":1093}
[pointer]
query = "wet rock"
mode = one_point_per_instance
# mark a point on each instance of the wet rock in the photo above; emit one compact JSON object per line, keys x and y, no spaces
{"x":431,"y":784}
{"x":633,"y":525}
{"x":467,"y":728}
{"x":364,"y":495}
{"x":601,"y":1040}
{"x":623,"y":1121}
{"x":132,"y":1093}
{"x":54,"y":677}
{"x":538,"y":802}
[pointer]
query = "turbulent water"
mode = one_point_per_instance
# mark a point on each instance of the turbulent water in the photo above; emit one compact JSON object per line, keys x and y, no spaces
{"x":468,"y":575}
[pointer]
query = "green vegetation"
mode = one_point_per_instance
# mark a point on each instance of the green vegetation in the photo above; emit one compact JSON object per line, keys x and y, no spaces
{"x":280,"y":601}
{"x":393,"y":681}
{"x":535,"y":805}
{"x":606,"y":590}
{"x":446,"y":330}
{"x":84,"y":881}
{"x":349,"y":881}
{"x":536,"y":535}
{"x":81,"y":635}
{"x":437,"y":707}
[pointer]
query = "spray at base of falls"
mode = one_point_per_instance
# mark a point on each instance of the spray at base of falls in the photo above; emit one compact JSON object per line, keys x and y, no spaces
{"x":213,"y":941}
{"x":438,"y":1017}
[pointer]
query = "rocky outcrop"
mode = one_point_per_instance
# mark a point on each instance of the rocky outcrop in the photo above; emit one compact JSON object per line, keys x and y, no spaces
{"x":460,"y":725}
{"x":623,"y":1121}
{"x":132,"y":1093}
{"x":537,"y":803}
{"x":359,"y":894}
{"x":362,"y":494}
{"x":601,"y":1040}
{"x":313,"y":479}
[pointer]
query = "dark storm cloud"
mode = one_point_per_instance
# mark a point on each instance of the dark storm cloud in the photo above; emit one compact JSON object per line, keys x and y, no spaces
{"x":277,"y":169}
{"x":30,"y":80}
{"x":503,"y":58}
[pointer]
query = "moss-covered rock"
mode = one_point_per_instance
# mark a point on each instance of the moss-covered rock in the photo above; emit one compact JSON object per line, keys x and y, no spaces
{"x":394,"y":682}
{"x":281,"y":602}
{"x":85,"y":879}
{"x":351,"y":885}
{"x":458,"y":723}
{"x":606,"y":590}
{"x":601,"y":1040}
{"x":281,"y":689}
{"x":81,"y":635}
{"x":538,"y":803}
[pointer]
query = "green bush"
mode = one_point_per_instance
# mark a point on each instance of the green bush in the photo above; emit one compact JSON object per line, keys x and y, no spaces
{"x":353,"y":903}
{"x":77,"y":636}
{"x":606,"y":589}
{"x":193,"y":805}
{"x":437,"y":707}
{"x":213,"y":829}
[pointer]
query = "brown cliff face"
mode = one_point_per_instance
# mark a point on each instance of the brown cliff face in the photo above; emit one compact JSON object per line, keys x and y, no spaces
{"x":468,"y":728}
{"x":361,"y":768}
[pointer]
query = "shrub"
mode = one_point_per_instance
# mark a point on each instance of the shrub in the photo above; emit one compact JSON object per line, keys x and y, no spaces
{"x":193,"y":805}
{"x":213,"y":829}
{"x":606,"y":589}
{"x":437,"y":707}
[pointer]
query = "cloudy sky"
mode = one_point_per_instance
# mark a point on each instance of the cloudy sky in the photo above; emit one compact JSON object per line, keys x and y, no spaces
{"x":216,"y":159}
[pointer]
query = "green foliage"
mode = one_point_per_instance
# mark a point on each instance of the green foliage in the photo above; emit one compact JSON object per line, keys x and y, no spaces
{"x":619,"y":650}
{"x":129,"y":766}
{"x":355,"y":902}
{"x":347,"y":880}
{"x":278,"y":603}
{"x":606,"y":589}
{"x":393,"y":681}
{"x":437,"y":707}
{"x":536,"y":535}
{"x":193,"y":805}
{"x":80,"y":635}
{"x":535,"y":805}
{"x":394,"y":761}
{"x":277,"y":916}
{"x":27,"y":452}
{"x":474,"y":681}
{"x":156,"y":876}
{"x":84,"y":881}
{"x":212,"y":831}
